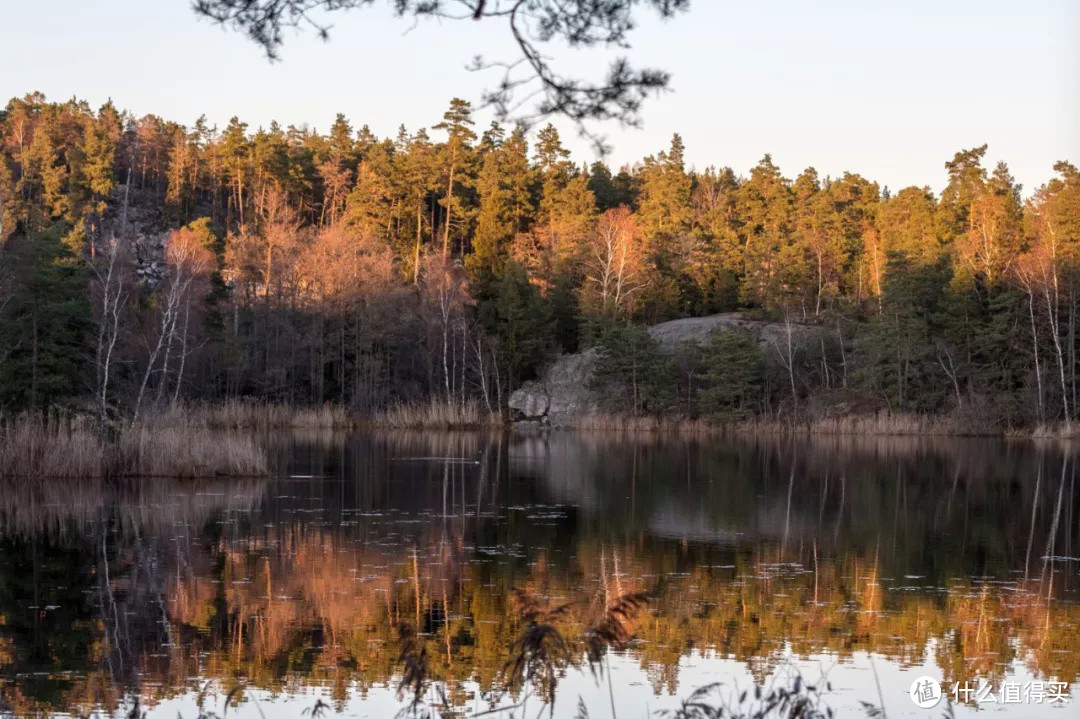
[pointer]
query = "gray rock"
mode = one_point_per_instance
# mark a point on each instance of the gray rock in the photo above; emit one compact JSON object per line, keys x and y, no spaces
{"x":530,"y":401}
{"x":562,"y":396}
{"x":673,"y":333}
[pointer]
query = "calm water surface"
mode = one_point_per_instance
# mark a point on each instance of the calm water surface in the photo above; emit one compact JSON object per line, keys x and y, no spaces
{"x":852,"y":559}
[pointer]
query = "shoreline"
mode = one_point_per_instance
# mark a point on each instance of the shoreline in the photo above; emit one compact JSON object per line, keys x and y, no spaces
{"x":199,"y":440}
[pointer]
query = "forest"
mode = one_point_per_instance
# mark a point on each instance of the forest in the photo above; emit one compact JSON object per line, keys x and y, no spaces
{"x":146,"y":263}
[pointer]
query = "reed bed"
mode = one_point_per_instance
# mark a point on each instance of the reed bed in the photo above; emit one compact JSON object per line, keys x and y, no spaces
{"x":878,"y":424}
{"x":51,"y":446}
{"x":185,"y":451}
{"x":1060,"y":430}
{"x":244,"y":414}
{"x":56,"y":446}
{"x":437,"y":414}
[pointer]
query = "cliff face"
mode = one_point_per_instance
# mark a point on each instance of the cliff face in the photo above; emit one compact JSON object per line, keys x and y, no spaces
{"x":562,"y":397}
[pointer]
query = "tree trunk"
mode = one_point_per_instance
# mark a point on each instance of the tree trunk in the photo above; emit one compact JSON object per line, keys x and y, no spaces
{"x":1035,"y":348}
{"x":1054,"y":330}
{"x":449,"y":201}
{"x":416,"y":248}
{"x":183,"y":356}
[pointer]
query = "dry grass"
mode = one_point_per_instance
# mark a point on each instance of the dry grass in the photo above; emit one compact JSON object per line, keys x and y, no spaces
{"x":879,"y":424}
{"x":1059,"y":430}
{"x":243,"y":414}
{"x":51,"y":446}
{"x":437,"y":414}
{"x":55,"y":446}
{"x":185,"y":451}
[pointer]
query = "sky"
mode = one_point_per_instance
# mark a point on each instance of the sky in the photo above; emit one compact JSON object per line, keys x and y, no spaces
{"x":890,"y":90}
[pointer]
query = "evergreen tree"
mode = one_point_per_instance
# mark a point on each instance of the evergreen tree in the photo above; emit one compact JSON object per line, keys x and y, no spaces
{"x":631,"y":372}
{"x":765,"y":209}
{"x":456,"y":157}
{"x":733,"y":376}
{"x":505,"y":208}
{"x":44,"y":327}
{"x":518,"y":319}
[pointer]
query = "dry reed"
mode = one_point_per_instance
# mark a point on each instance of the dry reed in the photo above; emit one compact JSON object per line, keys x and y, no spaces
{"x":436,"y":414}
{"x":244,"y":414}
{"x":50,"y":446}
{"x":56,"y":446}
{"x":878,"y":424}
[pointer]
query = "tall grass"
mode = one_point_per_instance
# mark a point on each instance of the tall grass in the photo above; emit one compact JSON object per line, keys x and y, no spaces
{"x":878,"y":424}
{"x":186,"y":451}
{"x":51,"y":446}
{"x":437,"y":414}
{"x":245,"y":414}
{"x":58,"y":446}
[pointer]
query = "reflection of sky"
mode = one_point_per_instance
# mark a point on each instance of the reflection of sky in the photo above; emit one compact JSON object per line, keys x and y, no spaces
{"x":852,"y":681}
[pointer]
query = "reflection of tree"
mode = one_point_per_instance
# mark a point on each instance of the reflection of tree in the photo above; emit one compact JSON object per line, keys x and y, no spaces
{"x":305,"y":605}
{"x":311,"y":587}
{"x":47,"y":626}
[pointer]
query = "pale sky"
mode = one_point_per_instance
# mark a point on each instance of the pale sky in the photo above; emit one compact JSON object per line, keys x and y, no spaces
{"x":886,"y":89}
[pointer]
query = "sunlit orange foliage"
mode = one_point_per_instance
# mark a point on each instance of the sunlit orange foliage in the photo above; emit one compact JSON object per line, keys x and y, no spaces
{"x":615,"y":265}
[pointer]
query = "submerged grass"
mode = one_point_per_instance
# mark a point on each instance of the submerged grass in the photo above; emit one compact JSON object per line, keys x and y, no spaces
{"x":57,"y":446}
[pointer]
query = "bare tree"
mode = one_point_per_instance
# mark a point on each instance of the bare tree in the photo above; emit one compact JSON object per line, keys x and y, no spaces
{"x":445,"y":292}
{"x":785,"y":351}
{"x":110,"y":281}
{"x":186,"y":261}
{"x":1026,"y":277}
{"x":945,"y":359}
{"x":616,"y":270}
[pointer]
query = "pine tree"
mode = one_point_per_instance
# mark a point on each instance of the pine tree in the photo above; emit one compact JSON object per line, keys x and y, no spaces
{"x":630,"y":371}
{"x":765,"y":209}
{"x":518,"y":319}
{"x":733,"y":376}
{"x":456,"y":160}
{"x":44,"y":327}
{"x":505,"y":207}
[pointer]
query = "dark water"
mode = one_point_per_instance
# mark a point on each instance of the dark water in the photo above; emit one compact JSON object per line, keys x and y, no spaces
{"x":871,"y":562}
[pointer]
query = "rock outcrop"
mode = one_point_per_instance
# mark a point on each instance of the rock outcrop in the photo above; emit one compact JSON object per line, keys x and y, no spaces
{"x":562,"y":395}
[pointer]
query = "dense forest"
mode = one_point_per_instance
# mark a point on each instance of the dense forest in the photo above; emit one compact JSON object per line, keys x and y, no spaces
{"x":145,"y":262}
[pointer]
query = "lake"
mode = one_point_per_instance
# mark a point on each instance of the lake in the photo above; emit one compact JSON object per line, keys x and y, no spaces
{"x":856,"y":564}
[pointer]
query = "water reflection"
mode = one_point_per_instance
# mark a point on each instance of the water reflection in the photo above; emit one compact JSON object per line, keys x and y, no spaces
{"x":957,"y":556}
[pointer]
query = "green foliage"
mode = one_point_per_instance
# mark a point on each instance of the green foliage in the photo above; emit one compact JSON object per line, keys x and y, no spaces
{"x":897,"y":356}
{"x":970,"y":300}
{"x":44,"y":327}
{"x":733,"y":377}
{"x":519,"y":321}
{"x":502,"y":186}
{"x":631,"y":372}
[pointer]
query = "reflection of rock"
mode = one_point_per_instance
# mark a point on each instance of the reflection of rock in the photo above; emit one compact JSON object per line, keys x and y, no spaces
{"x":565,"y":464}
{"x":693,"y":524}
{"x":561,"y":396}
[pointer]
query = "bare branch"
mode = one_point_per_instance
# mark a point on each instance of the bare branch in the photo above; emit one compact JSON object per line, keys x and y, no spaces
{"x":532,"y":79}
